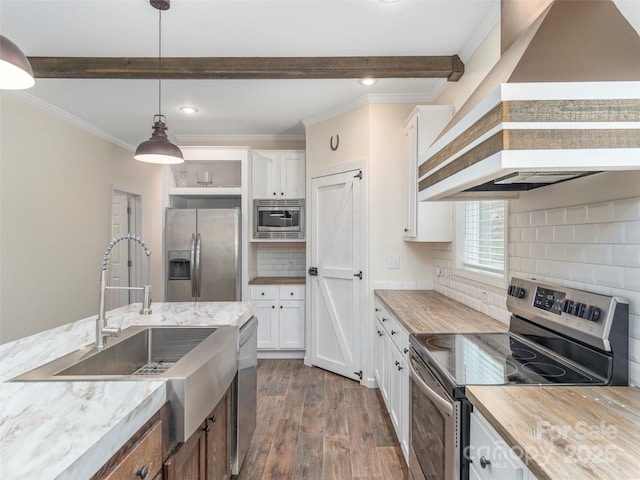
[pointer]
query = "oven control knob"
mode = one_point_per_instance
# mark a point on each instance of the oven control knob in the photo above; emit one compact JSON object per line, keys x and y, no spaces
{"x":517,"y":292}
{"x":591,"y":313}
{"x":579,"y":310}
{"x":568,"y":306}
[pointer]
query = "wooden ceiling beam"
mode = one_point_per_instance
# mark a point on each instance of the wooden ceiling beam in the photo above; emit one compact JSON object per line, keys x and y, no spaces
{"x":211,"y":68}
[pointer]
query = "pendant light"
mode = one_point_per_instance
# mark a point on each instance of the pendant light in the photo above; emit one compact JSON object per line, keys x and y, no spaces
{"x":158,"y":149}
{"x":15,"y":69}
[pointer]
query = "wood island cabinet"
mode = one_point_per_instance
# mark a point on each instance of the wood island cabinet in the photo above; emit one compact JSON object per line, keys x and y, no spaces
{"x":207,"y":453}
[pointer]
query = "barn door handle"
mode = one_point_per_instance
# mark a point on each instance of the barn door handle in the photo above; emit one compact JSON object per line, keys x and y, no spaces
{"x":359,"y":275}
{"x":313,"y":271}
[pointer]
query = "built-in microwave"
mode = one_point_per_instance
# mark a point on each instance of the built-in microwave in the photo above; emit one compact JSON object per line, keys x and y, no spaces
{"x":278,"y":219}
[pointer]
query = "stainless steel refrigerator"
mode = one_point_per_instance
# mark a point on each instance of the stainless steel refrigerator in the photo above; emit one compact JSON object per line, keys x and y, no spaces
{"x":202,"y":254}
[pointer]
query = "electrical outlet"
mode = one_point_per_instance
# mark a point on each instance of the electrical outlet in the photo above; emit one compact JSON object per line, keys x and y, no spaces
{"x":393,"y":261}
{"x":484,"y":297}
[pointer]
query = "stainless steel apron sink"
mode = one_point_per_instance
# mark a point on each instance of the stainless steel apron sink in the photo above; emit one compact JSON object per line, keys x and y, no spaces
{"x":199,"y":364}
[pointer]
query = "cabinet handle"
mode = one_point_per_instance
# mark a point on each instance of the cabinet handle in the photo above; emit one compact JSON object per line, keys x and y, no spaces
{"x":393,"y":332}
{"x":206,"y":429}
{"x":484,"y":462}
{"x":213,"y":419}
{"x":143,"y":472}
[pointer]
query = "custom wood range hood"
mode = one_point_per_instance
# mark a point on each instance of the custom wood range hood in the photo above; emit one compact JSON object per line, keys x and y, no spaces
{"x":562,"y":102}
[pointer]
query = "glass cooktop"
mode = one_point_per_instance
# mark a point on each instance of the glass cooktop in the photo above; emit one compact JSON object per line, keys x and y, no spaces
{"x":495,"y":359}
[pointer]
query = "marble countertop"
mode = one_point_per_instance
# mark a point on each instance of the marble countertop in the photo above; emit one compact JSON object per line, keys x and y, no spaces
{"x":278,"y":281}
{"x":68,"y":430}
{"x":427,"y":311}
{"x":567,"y":432}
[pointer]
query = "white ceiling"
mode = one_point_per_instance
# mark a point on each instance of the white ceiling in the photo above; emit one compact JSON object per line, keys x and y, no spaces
{"x":122,"y":110}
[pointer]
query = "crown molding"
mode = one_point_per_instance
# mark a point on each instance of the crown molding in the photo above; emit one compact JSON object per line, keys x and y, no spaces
{"x":72,"y":119}
{"x":376,"y":99}
{"x":239,"y":138}
{"x":487,"y":23}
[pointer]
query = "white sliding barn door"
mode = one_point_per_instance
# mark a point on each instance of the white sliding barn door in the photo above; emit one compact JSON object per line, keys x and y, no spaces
{"x":337,"y":252}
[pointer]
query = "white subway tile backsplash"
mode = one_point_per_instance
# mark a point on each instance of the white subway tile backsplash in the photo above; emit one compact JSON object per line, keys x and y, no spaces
{"x":538,"y":218}
{"x":545,"y":234}
{"x":556,"y":216}
{"x":626,"y":255}
{"x":575,"y":253}
{"x":627,"y":209}
{"x":611,"y":233}
{"x":598,"y":253}
{"x":594,"y":247}
{"x":632,"y":232}
{"x":600,"y":212}
{"x":609,"y":276}
{"x":278,"y":261}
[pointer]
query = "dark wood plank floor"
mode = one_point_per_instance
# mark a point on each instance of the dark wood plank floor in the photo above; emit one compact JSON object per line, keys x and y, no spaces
{"x":315,"y":425}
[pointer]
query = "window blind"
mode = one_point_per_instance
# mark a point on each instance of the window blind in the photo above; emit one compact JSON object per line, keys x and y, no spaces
{"x":483,"y":245}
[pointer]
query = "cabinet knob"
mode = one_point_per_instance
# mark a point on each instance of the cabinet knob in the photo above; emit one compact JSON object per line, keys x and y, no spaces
{"x":399,"y":368}
{"x":384,"y":319}
{"x":377,"y":309}
{"x":406,"y":230}
{"x":393,"y":332}
{"x":406,"y":350}
{"x":282,"y":193}
{"x":484,"y":462}
{"x":206,"y":429}
{"x":281,"y":307}
{"x":291,"y":294}
{"x":213,"y":419}
{"x":274,"y":193}
{"x":397,"y":363}
{"x":262,"y":293}
{"x":143,"y":472}
{"x":379,"y":333}
{"x":273,"y":306}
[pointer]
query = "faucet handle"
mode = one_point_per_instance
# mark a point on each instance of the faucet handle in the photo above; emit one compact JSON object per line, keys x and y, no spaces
{"x":114,"y":331}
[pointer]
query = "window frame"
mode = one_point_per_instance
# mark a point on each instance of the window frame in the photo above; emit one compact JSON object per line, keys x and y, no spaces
{"x":478,"y":275}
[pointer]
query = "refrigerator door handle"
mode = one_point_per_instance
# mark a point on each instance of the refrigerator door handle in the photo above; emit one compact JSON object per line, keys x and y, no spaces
{"x":198,"y":266}
{"x":193,"y":265}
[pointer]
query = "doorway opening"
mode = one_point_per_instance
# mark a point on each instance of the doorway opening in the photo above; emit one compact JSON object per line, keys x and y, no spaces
{"x":125,"y":266}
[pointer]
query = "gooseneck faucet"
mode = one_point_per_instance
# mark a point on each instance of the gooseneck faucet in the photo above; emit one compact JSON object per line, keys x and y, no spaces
{"x":101,"y":323}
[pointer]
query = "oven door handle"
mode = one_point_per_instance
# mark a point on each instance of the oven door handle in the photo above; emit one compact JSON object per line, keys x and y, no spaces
{"x":444,"y":405}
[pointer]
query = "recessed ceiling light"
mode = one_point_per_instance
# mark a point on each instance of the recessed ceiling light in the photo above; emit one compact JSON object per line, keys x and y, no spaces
{"x":368,"y":81}
{"x":188,"y":109}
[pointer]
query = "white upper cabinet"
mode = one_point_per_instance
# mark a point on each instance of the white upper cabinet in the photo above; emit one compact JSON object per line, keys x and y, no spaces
{"x":277,"y":174}
{"x":424,"y":221}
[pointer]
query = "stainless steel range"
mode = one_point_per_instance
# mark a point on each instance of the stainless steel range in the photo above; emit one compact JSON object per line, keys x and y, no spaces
{"x":557,"y":336}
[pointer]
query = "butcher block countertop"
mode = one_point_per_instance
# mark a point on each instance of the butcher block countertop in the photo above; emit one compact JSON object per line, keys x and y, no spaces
{"x":278,"y":281}
{"x":566,"y":433}
{"x":427,"y":311}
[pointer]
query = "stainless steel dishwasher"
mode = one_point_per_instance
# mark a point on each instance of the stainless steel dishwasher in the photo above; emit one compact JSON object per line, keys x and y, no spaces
{"x":244,"y":398}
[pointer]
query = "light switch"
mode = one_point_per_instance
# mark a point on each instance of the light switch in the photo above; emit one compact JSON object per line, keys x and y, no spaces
{"x":393,"y":261}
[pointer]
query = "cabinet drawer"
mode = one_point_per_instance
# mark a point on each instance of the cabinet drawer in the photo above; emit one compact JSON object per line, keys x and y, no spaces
{"x":489,"y":449}
{"x":146,"y":454}
{"x":292,"y":292}
{"x":263,"y":292}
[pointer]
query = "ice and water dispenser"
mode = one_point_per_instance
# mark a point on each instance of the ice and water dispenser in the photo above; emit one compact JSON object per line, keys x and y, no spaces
{"x":179,"y":265}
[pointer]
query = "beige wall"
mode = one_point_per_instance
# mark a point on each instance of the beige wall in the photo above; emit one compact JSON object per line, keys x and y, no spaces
{"x":55,"y":202}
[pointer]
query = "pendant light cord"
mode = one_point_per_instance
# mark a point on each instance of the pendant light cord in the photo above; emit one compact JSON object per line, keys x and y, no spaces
{"x":159,"y":62}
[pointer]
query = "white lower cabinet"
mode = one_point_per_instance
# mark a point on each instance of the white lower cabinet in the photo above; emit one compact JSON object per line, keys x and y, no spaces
{"x":491,"y":457}
{"x":280,"y":314}
{"x":391,"y":371}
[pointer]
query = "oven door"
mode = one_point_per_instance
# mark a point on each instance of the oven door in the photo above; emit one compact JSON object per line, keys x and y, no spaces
{"x":434,"y":452}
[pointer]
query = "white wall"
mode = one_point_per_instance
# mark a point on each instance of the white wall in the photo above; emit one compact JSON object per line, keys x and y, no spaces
{"x":55,"y":191}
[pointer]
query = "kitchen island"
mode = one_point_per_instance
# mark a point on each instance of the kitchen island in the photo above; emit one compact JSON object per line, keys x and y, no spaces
{"x":70,"y":429}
